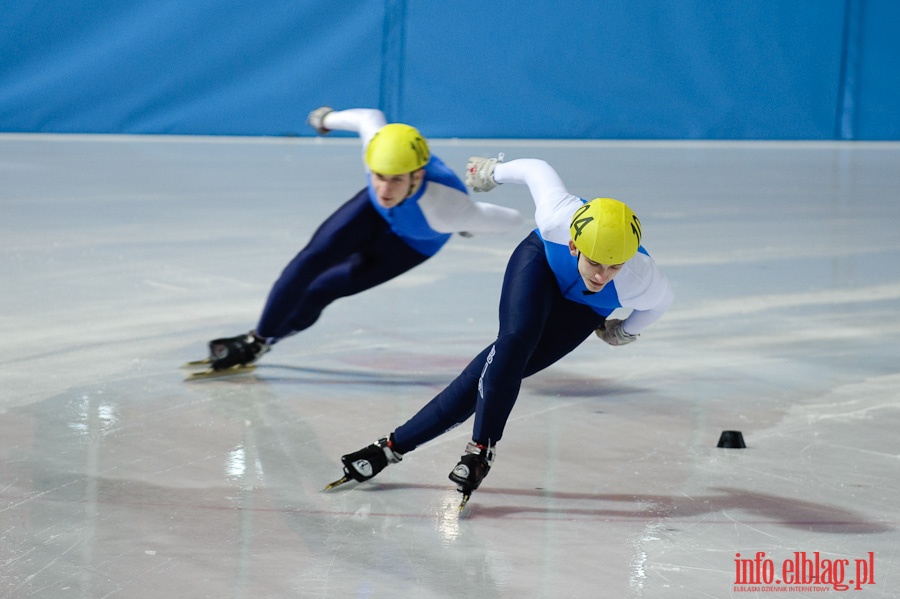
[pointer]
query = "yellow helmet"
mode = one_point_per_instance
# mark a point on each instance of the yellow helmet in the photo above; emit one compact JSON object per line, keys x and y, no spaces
{"x":606,"y":231}
{"x":396,"y":149}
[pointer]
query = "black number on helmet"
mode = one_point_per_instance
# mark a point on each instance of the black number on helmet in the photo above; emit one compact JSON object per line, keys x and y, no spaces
{"x":420,"y":148}
{"x":579,"y":223}
{"x":636,"y":228}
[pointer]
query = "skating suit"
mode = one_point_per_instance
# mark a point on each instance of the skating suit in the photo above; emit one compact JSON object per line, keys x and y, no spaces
{"x":363,"y":244}
{"x":546,"y":311}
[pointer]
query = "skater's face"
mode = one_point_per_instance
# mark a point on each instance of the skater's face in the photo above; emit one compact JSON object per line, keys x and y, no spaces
{"x":594,"y":274}
{"x":391,"y":190}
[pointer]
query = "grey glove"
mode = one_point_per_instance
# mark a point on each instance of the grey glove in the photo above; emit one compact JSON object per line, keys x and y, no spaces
{"x":316,"y":119}
{"x":480,"y":173}
{"x":613,"y":333}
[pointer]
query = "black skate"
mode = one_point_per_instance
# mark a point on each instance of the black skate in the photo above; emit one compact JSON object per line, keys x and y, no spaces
{"x":230,"y":355}
{"x":367,"y":462}
{"x":242,"y":350}
{"x":473,"y":466}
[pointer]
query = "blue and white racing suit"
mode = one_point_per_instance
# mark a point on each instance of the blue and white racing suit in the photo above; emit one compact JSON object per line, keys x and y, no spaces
{"x":546,"y":311}
{"x":364,"y":244}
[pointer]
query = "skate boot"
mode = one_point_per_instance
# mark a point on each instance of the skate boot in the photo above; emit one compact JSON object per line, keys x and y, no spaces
{"x":367,"y":462}
{"x":242,"y":350}
{"x":473,"y":466}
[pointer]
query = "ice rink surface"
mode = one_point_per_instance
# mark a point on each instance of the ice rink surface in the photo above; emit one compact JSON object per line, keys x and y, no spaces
{"x":120,"y":257}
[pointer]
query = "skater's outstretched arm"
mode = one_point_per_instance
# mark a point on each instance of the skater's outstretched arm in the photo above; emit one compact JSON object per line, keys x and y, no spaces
{"x":449,"y":211}
{"x":553,"y":203}
{"x":364,"y":121}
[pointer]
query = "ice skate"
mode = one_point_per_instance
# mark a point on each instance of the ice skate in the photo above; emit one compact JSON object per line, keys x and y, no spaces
{"x":473,"y":466}
{"x":367,"y":462}
{"x":242,"y":350}
{"x":230,"y":355}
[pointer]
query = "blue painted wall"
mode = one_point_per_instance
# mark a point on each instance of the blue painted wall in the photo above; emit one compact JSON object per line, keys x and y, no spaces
{"x":619,"y":69}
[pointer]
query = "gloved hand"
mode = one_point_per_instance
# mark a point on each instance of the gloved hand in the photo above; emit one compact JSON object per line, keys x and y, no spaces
{"x":480,"y":173}
{"x":613,"y":333}
{"x":316,"y":119}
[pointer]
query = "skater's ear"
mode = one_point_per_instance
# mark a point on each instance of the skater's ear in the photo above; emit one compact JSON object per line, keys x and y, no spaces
{"x":416,"y":178}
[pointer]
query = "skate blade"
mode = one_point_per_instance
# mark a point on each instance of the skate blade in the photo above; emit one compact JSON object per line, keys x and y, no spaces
{"x":196,"y":363}
{"x":337,"y":483}
{"x":212,"y":374}
{"x":465,"y":500}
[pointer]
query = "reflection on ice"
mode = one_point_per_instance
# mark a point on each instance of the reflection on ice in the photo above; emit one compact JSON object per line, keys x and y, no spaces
{"x":89,"y":416}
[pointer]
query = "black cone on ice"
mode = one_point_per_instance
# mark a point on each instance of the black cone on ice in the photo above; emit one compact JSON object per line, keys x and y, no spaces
{"x":731,"y":440}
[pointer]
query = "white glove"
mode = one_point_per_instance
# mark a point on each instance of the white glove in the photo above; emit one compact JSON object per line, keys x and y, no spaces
{"x":316,"y":119}
{"x":614,"y":334}
{"x":480,"y":173}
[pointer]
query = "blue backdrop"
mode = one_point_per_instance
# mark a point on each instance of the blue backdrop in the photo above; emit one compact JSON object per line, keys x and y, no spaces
{"x":621,"y":69}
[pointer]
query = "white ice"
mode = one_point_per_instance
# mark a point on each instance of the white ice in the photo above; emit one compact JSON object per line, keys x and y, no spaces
{"x":120,"y":257}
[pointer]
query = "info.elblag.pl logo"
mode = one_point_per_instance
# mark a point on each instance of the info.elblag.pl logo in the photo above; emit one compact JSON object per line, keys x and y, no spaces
{"x":803,"y":572}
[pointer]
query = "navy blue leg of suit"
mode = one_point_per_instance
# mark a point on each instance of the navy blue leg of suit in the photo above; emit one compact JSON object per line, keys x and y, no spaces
{"x":538,"y":326}
{"x":353,"y":250}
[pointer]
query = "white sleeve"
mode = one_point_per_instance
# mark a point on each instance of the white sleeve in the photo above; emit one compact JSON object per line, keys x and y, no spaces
{"x":554,"y":205}
{"x":652,"y":293}
{"x":638,"y":320}
{"x":449,"y":210}
{"x":365,"y":121}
